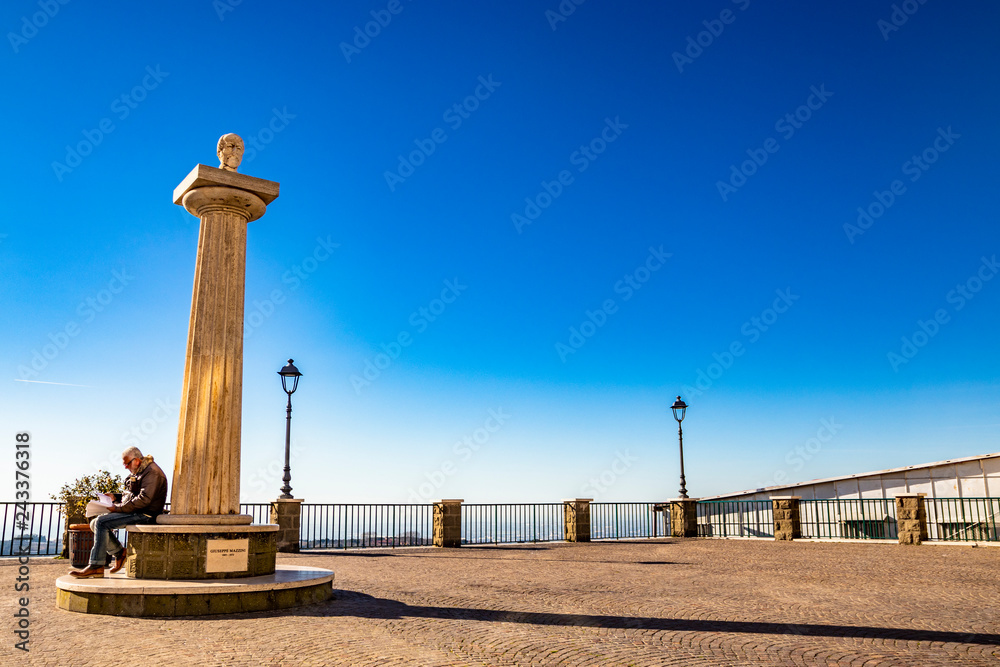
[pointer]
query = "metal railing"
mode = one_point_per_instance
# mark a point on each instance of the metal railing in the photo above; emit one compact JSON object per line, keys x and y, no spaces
{"x":513,"y":523}
{"x":615,"y":521}
{"x":849,"y":519}
{"x":352,"y":526}
{"x":38,"y":534}
{"x":261,"y":512}
{"x":43,"y":529}
{"x":735,"y":518}
{"x":963,"y":519}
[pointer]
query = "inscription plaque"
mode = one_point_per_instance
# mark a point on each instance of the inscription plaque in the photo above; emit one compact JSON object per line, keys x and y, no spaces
{"x":227,"y":555}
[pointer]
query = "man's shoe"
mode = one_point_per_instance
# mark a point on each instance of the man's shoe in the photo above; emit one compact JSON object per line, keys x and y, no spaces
{"x":118,"y":560}
{"x":90,"y":572}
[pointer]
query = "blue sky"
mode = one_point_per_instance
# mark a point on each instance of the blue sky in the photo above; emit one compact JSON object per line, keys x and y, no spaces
{"x":569,"y":214}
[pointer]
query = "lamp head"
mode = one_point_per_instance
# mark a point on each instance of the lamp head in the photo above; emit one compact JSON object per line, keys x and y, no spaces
{"x":289,"y":372}
{"x":679,"y":407}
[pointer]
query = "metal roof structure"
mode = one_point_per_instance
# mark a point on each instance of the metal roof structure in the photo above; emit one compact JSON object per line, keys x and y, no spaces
{"x":972,"y":476}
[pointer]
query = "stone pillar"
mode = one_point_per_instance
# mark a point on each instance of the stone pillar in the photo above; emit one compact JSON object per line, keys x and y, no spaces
{"x":287,"y":514}
{"x":684,"y":517}
{"x":448,"y":523}
{"x":787,"y":520}
{"x":206,"y":479}
{"x":911,"y":518}
{"x":576,"y":514}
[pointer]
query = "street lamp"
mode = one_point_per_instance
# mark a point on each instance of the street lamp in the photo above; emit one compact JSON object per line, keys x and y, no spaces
{"x":286,"y":373}
{"x":679,"y":407}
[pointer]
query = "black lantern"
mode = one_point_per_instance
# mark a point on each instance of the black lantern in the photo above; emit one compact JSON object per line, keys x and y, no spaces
{"x":292,"y":374}
{"x":680,"y":408}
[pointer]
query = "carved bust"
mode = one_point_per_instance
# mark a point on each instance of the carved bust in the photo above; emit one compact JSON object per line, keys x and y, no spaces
{"x":230,"y":151}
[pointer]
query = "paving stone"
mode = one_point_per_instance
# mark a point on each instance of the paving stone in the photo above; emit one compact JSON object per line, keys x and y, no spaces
{"x":641,"y":603}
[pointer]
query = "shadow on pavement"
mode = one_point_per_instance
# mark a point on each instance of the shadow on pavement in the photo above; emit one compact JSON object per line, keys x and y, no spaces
{"x":360,"y":605}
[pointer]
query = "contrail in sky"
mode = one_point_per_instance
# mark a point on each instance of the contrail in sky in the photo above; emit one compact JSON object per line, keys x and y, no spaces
{"x":64,"y":384}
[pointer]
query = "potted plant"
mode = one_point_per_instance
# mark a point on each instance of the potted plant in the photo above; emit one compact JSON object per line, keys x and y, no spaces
{"x":75,"y":496}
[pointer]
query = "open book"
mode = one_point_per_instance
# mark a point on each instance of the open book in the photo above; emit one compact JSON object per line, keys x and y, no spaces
{"x":102,"y":505}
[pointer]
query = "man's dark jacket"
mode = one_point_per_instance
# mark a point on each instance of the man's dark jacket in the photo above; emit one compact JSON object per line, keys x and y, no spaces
{"x":146,"y":490}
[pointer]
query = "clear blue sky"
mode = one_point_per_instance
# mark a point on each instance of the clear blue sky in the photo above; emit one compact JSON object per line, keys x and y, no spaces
{"x":621,"y":204}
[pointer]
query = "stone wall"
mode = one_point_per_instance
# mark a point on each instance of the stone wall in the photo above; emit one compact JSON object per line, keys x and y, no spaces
{"x":787,"y":518}
{"x":287,"y":515}
{"x":576,"y":514}
{"x":448,"y":523}
{"x":911,"y":518}
{"x":684,"y":517}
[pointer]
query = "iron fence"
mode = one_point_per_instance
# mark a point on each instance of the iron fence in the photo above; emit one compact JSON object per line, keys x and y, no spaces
{"x":511,"y":523}
{"x":39,"y":533}
{"x":963,"y":519}
{"x":735,"y":518}
{"x":353,"y":525}
{"x":615,"y":521}
{"x":850,"y":519}
{"x":261,"y":512}
{"x":46,"y":523}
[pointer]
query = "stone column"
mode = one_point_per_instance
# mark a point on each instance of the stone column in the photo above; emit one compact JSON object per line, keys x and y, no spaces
{"x":684,"y":517}
{"x":448,"y":523}
{"x":287,"y":514}
{"x":206,"y":477}
{"x":911,"y":518}
{"x":576,"y":514}
{"x":787,"y":519}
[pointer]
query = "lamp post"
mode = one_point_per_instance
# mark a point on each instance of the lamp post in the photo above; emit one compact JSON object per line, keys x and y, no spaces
{"x":286,"y":373}
{"x":679,"y":408}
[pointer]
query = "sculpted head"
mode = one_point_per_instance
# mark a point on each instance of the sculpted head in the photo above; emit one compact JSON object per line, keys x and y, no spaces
{"x":230,"y":151}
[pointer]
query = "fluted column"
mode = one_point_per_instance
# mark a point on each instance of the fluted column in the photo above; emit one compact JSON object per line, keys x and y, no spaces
{"x":206,"y":475}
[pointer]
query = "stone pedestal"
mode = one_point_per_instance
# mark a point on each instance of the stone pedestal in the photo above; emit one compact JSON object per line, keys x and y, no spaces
{"x":206,"y":479}
{"x":200,"y":552}
{"x":911,"y":518}
{"x":448,"y":523}
{"x":576,"y":514}
{"x":287,"y":514}
{"x":684,"y":517}
{"x":787,"y":519}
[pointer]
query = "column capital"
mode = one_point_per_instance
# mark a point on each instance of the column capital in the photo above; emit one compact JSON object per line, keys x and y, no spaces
{"x":207,"y":187}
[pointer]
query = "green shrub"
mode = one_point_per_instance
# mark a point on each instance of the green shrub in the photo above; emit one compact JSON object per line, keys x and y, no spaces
{"x":76,"y":495}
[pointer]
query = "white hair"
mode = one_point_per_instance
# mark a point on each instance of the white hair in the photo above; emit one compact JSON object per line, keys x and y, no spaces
{"x":132,"y":453}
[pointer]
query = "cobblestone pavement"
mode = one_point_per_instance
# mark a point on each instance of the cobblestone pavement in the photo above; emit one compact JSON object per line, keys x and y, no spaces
{"x":657,"y":602}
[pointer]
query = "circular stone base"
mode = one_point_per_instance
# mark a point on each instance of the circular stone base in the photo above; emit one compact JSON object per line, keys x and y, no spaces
{"x":116,"y":595}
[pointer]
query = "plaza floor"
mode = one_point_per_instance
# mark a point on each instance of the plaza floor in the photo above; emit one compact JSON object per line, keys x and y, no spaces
{"x":649,"y":602}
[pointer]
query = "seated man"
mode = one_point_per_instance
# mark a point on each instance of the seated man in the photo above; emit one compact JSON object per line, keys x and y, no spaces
{"x":143,"y":500}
